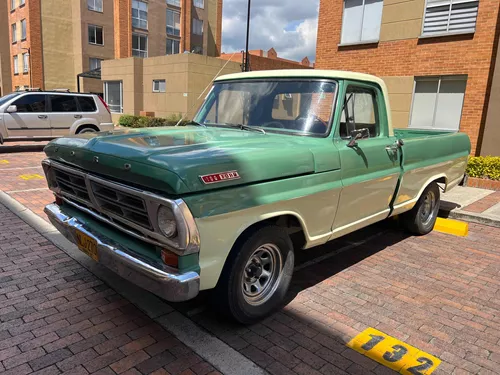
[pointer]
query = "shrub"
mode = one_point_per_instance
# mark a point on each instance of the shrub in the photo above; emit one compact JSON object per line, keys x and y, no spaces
{"x":149,"y":122}
{"x":487,"y":167}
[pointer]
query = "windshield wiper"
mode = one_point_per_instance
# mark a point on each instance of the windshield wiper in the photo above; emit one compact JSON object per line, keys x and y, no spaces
{"x":245,"y":127}
{"x":192,"y":122}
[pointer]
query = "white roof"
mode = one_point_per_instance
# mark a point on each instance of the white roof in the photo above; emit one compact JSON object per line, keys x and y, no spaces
{"x":304,"y":73}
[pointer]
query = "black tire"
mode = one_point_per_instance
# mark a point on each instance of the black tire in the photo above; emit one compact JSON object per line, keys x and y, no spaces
{"x":421,"y":219}
{"x":234,"y":291}
{"x":86,"y":129}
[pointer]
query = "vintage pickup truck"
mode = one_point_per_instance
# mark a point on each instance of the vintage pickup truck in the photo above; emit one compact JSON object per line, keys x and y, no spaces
{"x":308,"y":155}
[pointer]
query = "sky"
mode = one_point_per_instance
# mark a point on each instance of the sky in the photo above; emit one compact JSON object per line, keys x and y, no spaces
{"x":287,"y":25}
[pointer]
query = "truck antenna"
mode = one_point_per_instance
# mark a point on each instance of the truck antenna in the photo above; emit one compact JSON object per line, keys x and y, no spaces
{"x":199,"y":97}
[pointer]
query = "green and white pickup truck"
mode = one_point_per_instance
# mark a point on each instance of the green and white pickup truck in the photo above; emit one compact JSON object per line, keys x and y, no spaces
{"x":270,"y":155}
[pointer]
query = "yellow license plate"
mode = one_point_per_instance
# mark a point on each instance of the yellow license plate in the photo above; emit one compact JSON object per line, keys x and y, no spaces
{"x":87,"y":245}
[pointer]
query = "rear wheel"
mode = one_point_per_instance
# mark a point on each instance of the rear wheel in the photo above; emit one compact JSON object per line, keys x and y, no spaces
{"x":257,"y":275}
{"x":86,"y":129}
{"x":421,"y":219}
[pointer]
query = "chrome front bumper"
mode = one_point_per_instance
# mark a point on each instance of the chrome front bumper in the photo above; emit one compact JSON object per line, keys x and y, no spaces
{"x":159,"y":279}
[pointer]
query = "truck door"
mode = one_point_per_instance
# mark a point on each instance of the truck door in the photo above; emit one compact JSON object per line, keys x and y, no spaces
{"x":369,"y":168}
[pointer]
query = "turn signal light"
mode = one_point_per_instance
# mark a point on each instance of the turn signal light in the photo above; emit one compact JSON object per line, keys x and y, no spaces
{"x":169,"y":258}
{"x":59,"y":200}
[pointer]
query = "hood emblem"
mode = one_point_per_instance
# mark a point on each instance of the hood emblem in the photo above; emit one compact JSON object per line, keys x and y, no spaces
{"x":220,"y":177}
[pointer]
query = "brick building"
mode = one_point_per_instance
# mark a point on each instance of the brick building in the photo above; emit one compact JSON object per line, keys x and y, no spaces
{"x":437,"y":57}
{"x":51,"y":41}
{"x":267,"y":60}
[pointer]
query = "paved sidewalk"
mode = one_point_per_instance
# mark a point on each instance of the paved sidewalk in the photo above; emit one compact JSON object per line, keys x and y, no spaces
{"x":473,"y":205}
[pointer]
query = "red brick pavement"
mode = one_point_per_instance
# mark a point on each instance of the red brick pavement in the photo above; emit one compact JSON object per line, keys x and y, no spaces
{"x":56,"y":317}
{"x":483,"y":204}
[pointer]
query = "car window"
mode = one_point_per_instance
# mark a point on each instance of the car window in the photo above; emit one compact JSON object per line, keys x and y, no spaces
{"x":63,"y":103}
{"x":6,"y":98}
{"x":31,"y":103}
{"x":87,"y":103}
{"x":359,"y":112}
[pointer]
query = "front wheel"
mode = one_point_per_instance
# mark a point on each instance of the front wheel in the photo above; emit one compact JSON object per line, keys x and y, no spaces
{"x":257,"y":275}
{"x":421,"y":219}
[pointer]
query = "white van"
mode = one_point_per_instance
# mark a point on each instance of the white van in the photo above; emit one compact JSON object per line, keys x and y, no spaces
{"x":43,"y":115}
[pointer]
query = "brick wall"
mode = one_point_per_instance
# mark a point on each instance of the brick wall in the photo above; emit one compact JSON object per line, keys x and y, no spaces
{"x":122,"y":28}
{"x":451,"y":55}
{"x":260,"y":62}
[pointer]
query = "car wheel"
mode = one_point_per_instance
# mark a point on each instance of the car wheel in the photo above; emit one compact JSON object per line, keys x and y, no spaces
{"x":256,"y":275}
{"x":421,"y":219}
{"x":86,"y":129}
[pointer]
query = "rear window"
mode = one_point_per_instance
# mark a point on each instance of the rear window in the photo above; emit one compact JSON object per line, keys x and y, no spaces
{"x":63,"y":103}
{"x":87,"y":103}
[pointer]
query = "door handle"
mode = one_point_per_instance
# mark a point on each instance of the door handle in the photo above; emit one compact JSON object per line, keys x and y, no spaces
{"x":42,"y":117}
{"x":78,"y":116}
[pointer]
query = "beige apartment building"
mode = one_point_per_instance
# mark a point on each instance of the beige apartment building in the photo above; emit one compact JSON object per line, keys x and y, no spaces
{"x":52,"y":41}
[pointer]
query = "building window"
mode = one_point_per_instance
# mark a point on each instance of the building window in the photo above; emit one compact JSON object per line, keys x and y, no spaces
{"x":172,"y":46}
{"x":23,"y":29}
{"x":197,"y":26}
{"x":113,"y":96}
{"x":96,"y":35}
{"x":199,"y":3}
{"x":12,"y":4}
{"x":14,"y":32}
{"x":16,"y":65}
{"x":437,"y":102}
{"x":362,"y":20}
{"x":159,"y":85}
{"x":450,"y":16}
{"x":21,"y":2}
{"x":26,"y":62}
{"x":95,"y":5}
{"x":139,"y":45}
{"x":140,"y":14}
{"x":176,"y":3}
{"x":94,"y":63}
{"x":173,"y":22}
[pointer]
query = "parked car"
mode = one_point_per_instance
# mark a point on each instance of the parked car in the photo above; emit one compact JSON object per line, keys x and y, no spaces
{"x":270,"y":156}
{"x":44,"y":115}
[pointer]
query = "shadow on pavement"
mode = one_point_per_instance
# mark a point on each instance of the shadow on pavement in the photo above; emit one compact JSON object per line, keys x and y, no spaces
{"x":6,"y":148}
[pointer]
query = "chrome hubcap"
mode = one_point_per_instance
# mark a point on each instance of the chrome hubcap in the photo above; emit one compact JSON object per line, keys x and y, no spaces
{"x":262,"y":274}
{"x":428,"y":207}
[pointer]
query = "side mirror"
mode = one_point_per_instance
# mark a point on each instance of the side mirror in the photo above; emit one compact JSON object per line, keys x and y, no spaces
{"x":12,"y":109}
{"x":358,"y":134}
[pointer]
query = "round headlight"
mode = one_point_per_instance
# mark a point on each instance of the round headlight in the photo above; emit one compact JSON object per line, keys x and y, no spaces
{"x":166,"y":221}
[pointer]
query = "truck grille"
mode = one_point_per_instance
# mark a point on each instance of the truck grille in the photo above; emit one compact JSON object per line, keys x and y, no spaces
{"x":117,"y":204}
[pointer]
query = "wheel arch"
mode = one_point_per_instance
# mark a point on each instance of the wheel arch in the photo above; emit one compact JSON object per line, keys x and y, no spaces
{"x":84,"y":126}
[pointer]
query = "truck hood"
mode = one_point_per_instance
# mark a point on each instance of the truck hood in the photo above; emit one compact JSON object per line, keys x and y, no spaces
{"x":172,"y":160}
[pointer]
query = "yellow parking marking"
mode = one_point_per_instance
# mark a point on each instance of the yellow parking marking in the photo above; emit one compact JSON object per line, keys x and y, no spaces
{"x":4,"y":161}
{"x":393,"y":353}
{"x":457,"y":228}
{"x":31,"y":177}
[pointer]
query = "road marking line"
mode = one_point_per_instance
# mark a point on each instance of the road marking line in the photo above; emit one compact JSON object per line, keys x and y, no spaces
{"x":4,"y":161}
{"x":337,"y":252}
{"x":28,"y":177}
{"x":393,"y":353}
{"x":454,"y":227}
{"x":24,"y":191}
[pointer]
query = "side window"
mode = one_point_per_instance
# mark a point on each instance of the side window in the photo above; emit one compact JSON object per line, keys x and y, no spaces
{"x":359,"y":112}
{"x":31,"y":103}
{"x":87,"y":104}
{"x":63,"y":103}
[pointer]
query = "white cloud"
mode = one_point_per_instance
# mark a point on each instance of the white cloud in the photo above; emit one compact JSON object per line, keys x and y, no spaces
{"x":287,"y":25}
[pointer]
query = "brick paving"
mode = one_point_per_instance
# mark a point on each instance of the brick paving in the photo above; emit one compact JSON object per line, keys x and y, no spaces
{"x":56,"y":317}
{"x":483,"y":204}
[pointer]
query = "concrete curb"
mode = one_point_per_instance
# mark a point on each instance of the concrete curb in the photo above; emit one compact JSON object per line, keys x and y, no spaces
{"x":6,"y":149}
{"x":474,"y":218}
{"x":216,"y":352}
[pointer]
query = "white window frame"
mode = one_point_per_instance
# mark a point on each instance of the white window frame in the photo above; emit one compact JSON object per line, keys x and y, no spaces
{"x":15,"y":63}
{"x":195,"y":30}
{"x":24,"y":29}
{"x":439,"y":79}
{"x":159,"y":82}
{"x":106,"y":96}
{"x":95,"y":59}
{"x":95,"y":34}
{"x":26,"y":62}
{"x":179,"y":48}
{"x":175,"y":3}
{"x":177,"y":32}
{"x":13,"y":29}
{"x":95,"y":6}
{"x":199,"y":4}
{"x":447,"y":32}
{"x":360,"y":41}
{"x":138,"y":19}
{"x":141,"y":53}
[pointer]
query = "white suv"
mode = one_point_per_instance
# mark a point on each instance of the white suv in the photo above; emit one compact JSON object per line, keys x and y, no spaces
{"x":41,"y":115}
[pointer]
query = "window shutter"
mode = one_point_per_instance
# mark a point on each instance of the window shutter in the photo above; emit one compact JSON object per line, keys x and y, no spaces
{"x":437,"y":15}
{"x":463,"y":16}
{"x":442,"y":16}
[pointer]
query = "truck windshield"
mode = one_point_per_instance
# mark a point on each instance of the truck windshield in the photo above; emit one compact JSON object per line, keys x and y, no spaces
{"x":294,"y":107}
